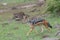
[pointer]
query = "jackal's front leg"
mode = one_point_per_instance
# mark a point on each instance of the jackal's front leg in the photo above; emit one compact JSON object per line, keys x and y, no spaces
{"x":31,"y":29}
{"x":42,"y":29}
{"x":29,"y":32}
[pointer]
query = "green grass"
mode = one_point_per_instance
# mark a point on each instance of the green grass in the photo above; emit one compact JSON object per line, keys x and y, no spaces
{"x":8,"y":32}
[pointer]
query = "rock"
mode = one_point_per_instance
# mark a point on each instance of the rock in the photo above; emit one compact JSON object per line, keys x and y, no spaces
{"x":51,"y":39}
{"x":4,"y":4}
{"x":57,"y":26}
{"x":59,"y":39}
{"x":45,"y":36}
{"x":13,"y":8}
{"x":58,"y":33}
{"x":20,"y":16}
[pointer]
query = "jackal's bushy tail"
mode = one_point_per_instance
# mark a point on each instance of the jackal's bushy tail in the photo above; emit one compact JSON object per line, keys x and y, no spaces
{"x":49,"y":25}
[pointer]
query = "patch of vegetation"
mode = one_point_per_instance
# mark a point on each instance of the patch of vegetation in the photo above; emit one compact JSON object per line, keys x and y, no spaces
{"x":17,"y":31}
{"x":53,"y":6}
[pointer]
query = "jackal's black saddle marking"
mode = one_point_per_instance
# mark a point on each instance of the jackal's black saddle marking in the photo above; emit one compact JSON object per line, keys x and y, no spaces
{"x":36,"y":20}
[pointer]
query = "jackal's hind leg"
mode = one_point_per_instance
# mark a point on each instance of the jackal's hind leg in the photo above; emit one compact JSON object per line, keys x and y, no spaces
{"x":46,"y":25}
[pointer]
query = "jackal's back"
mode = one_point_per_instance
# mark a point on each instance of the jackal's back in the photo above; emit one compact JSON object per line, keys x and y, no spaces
{"x":36,"y":20}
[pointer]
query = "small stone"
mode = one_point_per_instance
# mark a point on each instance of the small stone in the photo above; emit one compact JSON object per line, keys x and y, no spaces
{"x":45,"y":36}
{"x":58,"y":33}
{"x":51,"y":39}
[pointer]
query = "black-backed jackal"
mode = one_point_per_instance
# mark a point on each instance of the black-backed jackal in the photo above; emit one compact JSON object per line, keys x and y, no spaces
{"x":38,"y":22}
